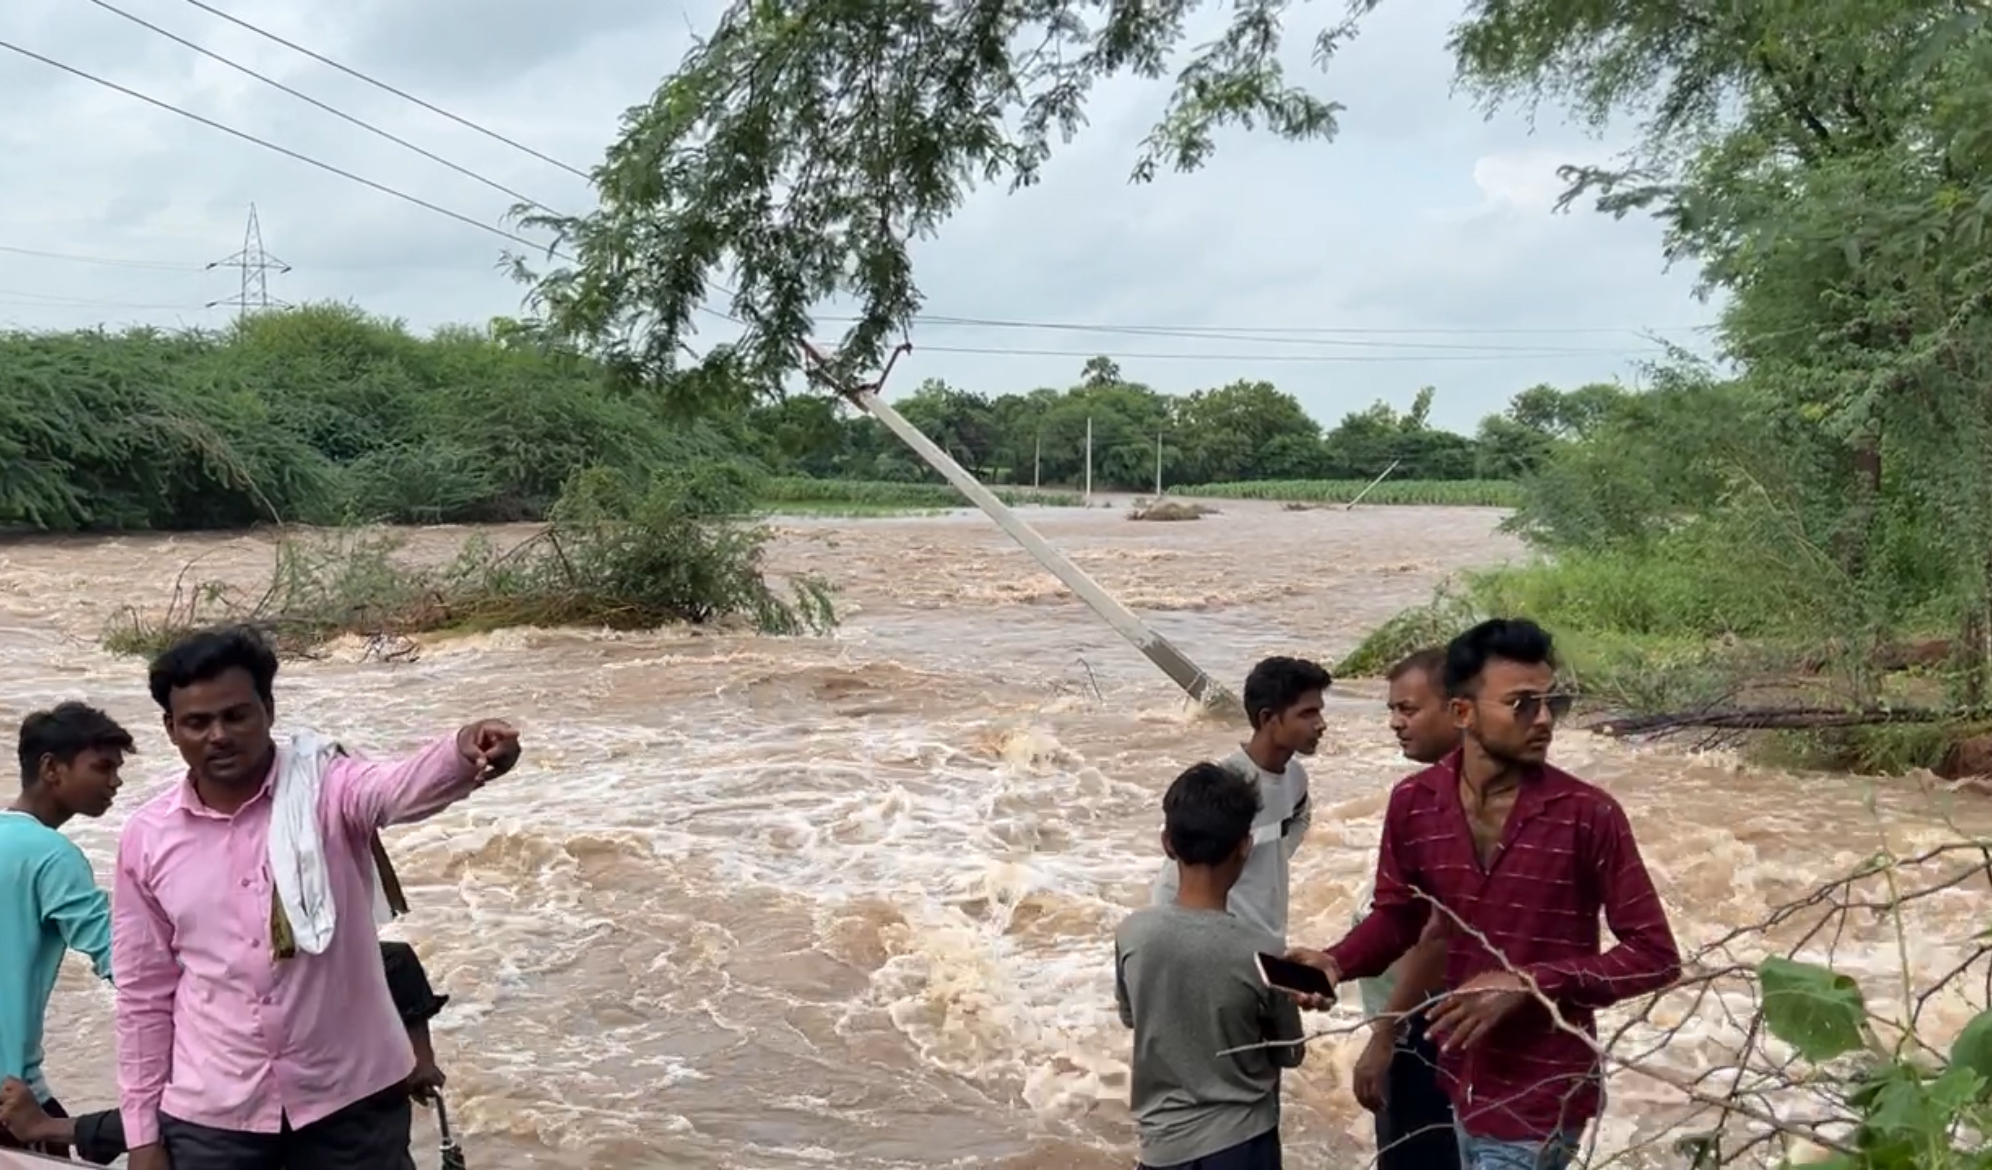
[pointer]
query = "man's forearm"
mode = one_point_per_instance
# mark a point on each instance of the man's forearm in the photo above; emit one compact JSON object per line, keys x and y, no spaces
{"x":371,"y":795}
{"x":1383,"y":937}
{"x":61,"y":1131}
{"x":145,"y":1057}
{"x":148,"y":983}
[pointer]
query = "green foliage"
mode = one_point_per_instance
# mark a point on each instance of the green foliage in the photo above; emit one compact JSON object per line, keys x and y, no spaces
{"x":1902,"y":1115}
{"x":1826,"y":166}
{"x":323,"y":415}
{"x":1973,"y":1047}
{"x":799,"y":149}
{"x":1242,"y":433}
{"x":319,"y":415}
{"x":1465,"y":493}
{"x":643,"y":550}
{"x":623,"y":552}
{"x":1414,"y":629}
{"x":1818,"y":1011}
{"x":1770,"y":528}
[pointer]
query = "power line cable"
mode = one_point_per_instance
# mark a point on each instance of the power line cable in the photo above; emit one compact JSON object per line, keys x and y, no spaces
{"x":283,"y":150}
{"x":369,"y":127}
{"x":107,"y":261}
{"x":1250,"y":333}
{"x":382,"y":85}
{"x":1257,"y":333}
{"x":1260,"y":334}
{"x":1246,"y":333}
{"x":45,"y":300}
{"x":1302,"y":358}
{"x":1182,"y":332}
{"x":1226,"y":333}
{"x":1259,"y":338}
{"x":244,"y":135}
{"x":1257,"y":330}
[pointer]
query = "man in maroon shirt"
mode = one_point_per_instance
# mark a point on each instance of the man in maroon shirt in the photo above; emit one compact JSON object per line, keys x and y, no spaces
{"x":1520,"y":858}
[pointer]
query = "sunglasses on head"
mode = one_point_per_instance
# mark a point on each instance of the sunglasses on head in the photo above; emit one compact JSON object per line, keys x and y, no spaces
{"x":1527,"y":707}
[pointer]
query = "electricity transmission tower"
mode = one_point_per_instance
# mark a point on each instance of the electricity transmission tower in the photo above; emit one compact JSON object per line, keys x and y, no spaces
{"x":255,"y":264}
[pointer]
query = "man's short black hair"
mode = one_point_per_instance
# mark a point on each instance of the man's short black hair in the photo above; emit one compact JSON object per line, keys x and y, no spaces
{"x":1495,"y":640}
{"x":1278,"y":683}
{"x":1430,"y":662}
{"x":206,"y":655}
{"x":66,"y":731}
{"x":1207,"y":811}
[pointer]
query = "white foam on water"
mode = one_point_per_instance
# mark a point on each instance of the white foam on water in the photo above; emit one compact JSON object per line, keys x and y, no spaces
{"x":759,"y":904}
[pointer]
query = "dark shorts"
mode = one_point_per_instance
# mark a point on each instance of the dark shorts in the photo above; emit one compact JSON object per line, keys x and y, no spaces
{"x":1261,"y":1153}
{"x":370,"y":1134}
{"x":54,"y":1109}
{"x":1414,"y":1130}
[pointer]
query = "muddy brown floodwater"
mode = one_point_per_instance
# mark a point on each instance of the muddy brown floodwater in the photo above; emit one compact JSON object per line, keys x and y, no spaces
{"x":766,"y":904}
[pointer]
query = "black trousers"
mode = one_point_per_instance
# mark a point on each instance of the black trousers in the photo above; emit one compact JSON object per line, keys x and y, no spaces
{"x":1414,"y":1130}
{"x":100,"y":1137}
{"x":370,"y":1134}
{"x":1261,"y":1153}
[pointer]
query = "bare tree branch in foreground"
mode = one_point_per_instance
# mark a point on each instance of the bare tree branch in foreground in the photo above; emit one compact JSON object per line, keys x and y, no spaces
{"x":1788,"y":1039}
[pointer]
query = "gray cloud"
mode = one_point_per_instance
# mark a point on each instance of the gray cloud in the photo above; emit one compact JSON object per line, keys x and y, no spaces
{"x":462,"y":44}
{"x":1423,"y":216}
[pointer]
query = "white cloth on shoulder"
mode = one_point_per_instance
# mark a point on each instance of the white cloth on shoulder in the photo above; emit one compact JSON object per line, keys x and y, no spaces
{"x":297,"y":847}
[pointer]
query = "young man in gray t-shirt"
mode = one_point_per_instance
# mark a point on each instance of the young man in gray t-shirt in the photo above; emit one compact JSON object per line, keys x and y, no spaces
{"x":1283,"y":699}
{"x":1204,"y":1097}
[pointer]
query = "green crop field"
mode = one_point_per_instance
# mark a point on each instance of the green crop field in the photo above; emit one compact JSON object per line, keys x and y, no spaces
{"x":1456,"y":493}
{"x":877,"y":495}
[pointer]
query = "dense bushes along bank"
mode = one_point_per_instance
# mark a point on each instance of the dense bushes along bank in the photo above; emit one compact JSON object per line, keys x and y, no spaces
{"x":1696,"y":550}
{"x":323,"y":415}
{"x":317,"y":416}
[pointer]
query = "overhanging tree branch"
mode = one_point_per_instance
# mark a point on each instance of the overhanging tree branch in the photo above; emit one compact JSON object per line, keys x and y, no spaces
{"x":799,"y":148}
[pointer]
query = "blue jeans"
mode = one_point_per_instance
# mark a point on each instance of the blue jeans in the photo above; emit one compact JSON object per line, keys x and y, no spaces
{"x":1479,"y":1153}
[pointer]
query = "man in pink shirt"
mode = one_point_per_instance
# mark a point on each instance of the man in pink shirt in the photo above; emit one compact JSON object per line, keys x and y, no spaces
{"x":233,"y":1052}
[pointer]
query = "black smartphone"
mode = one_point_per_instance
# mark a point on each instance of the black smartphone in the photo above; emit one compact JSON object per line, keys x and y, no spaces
{"x":1288,"y":975}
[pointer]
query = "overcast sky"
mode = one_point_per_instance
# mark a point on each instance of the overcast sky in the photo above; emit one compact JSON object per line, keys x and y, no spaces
{"x":1420,"y":247}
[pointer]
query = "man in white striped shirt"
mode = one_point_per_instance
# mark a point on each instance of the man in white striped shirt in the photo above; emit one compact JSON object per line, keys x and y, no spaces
{"x":1283,"y":699}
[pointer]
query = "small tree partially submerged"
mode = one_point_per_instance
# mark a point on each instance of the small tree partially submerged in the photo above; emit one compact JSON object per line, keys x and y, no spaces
{"x":802,"y":146}
{"x":1170,"y":510}
{"x":620,"y":554}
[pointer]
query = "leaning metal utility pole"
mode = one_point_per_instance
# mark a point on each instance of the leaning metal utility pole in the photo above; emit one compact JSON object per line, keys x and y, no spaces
{"x":255,"y":265}
{"x":1192,"y":678}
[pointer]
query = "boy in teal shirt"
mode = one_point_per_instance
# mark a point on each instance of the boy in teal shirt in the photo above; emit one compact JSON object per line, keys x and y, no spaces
{"x":49,"y":900}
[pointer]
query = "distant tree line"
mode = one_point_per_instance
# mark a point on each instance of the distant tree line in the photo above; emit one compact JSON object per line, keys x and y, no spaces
{"x":1244,"y":431}
{"x":325,"y":415}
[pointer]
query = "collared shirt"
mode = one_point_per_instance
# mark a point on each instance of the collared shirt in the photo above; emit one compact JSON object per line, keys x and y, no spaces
{"x":1566,"y":853}
{"x":212,"y":1027}
{"x":49,"y":903}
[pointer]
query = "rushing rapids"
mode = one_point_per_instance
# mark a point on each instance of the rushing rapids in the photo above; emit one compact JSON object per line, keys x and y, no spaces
{"x":765,"y":904}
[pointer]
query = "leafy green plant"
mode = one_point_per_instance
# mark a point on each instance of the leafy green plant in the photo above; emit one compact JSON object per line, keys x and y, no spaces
{"x":623,"y":552}
{"x":1902,"y":1112}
